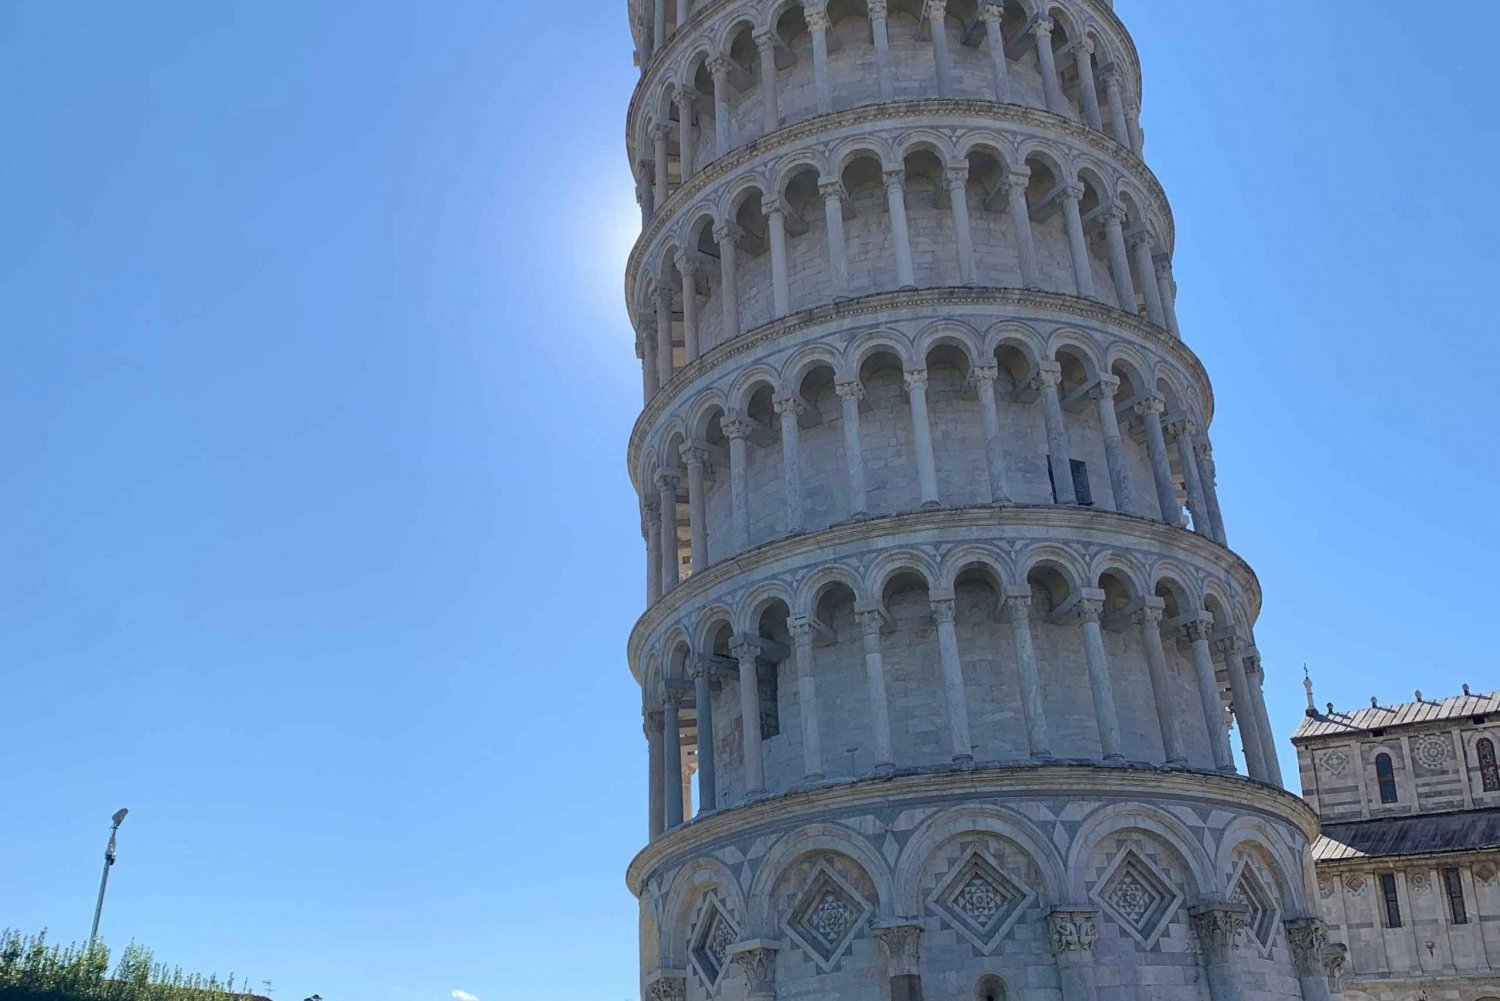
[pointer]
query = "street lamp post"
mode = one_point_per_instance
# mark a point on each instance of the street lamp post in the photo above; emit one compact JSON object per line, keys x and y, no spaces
{"x":109,"y":860}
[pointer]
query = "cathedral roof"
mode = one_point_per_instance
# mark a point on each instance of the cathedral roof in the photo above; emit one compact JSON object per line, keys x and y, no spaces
{"x":1403,"y":714}
{"x":1429,"y":834}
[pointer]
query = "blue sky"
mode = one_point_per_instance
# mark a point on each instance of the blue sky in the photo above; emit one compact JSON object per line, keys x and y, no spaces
{"x":318,"y":548}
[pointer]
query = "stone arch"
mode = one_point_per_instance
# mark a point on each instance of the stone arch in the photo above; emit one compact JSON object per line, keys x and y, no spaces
{"x":749,"y":383}
{"x":1047,"y":554}
{"x":790,"y":166}
{"x":709,"y":404}
{"x":1251,"y":833}
{"x":1118,"y":818}
{"x":996,"y":821}
{"x":695,"y":881}
{"x":875,"y":342}
{"x":737,"y":194}
{"x":949,"y":333}
{"x":1123,"y":566}
{"x":894,"y":564}
{"x":710,"y":621}
{"x":807,"y":840}
{"x":804,"y":362}
{"x":973,"y":556}
{"x":759,"y":600}
{"x":858,"y":147}
{"x":811,"y":590}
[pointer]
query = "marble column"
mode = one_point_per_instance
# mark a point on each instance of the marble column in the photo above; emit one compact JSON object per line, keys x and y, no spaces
{"x":880,"y":33}
{"x":850,"y":393}
{"x":1083,"y":273}
{"x":1244,"y":713}
{"x":651,"y":515}
{"x":1119,"y":257}
{"x":1041,"y":30}
{"x":936,"y":14}
{"x":1016,"y":183}
{"x":781,"y":292}
{"x":1083,"y":54}
{"x":957,"y":180}
{"x":645,"y":349}
{"x":1150,"y":410}
{"x":695,"y":458}
{"x":788,"y":410}
{"x":955,"y":701}
{"x":895,"y":200}
{"x":757,"y":961}
{"x":719,"y":68}
{"x":1208,"y":475}
{"x":687,"y":270}
{"x":921,"y":427}
{"x":1308,"y":937}
{"x":682,"y":13}
{"x":1048,"y":378}
{"x":659,"y":136}
{"x":654,"y":724}
{"x":686,"y":99}
{"x":1140,"y":246}
{"x":818,"y":24}
{"x":901,"y":950}
{"x":1103,"y":394}
{"x":993,"y":14}
{"x":728,"y":237}
{"x":708,"y":780}
{"x":664,"y":362}
{"x":1072,"y":932}
{"x":1090,"y":610}
{"x":1167,"y":290}
{"x":833,"y":215}
{"x":1149,"y":620}
{"x":984,"y":377}
{"x":748,"y":653}
{"x":666,"y":495}
{"x":658,"y":25}
{"x":1133,"y":124}
{"x":1199,"y":633}
{"x":1018,"y":607}
{"x":1182,"y":432}
{"x":671,"y":703}
{"x":645,"y":193}
{"x":765,"y":45}
{"x":1113,"y":91}
{"x":1255,"y":675}
{"x":802,"y":632}
{"x":871,"y":619}
{"x":1217,"y":927}
{"x":737,"y":430}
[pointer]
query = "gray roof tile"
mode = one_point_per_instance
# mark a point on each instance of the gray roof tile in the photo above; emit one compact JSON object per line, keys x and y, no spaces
{"x":1428,"y":834}
{"x":1404,"y":714}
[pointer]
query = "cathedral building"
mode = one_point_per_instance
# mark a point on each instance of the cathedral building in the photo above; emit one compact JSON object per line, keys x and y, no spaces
{"x":942,"y":626}
{"x":1409,"y":797}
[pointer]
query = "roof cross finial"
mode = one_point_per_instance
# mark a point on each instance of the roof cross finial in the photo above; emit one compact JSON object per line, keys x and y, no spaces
{"x":1312,"y":706}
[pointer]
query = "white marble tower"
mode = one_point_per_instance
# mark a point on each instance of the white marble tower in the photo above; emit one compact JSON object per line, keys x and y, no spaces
{"x":942,"y":626}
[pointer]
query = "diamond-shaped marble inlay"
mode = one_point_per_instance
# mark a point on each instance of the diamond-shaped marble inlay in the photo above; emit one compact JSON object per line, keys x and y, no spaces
{"x":1138,"y":896}
{"x":981,"y":901}
{"x":711,"y":942}
{"x":1334,"y":762}
{"x":1263,"y":913}
{"x":827,"y":917}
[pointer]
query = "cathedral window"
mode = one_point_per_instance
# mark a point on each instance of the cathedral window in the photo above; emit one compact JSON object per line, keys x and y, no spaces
{"x":1455,"y":890}
{"x":1385,"y":773}
{"x":1489,"y":774}
{"x":1392,"y":902}
{"x":1080,"y":474}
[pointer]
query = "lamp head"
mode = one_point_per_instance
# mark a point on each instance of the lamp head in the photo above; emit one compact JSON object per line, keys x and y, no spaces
{"x":119,"y":816}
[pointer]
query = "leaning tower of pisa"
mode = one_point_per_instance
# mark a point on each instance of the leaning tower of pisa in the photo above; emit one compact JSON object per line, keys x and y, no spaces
{"x":943,"y":636}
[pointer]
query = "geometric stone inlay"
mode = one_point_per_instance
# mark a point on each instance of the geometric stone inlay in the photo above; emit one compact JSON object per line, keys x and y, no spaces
{"x":1354,"y":884}
{"x":1138,"y":896}
{"x":1432,"y":751}
{"x":1264,"y":914}
{"x":981,"y":901}
{"x":711,"y":942}
{"x":827,"y":917}
{"x":1334,"y":762}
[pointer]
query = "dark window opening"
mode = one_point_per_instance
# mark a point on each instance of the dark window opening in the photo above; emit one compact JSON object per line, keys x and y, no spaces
{"x":1477,"y":719}
{"x":1392,"y":902}
{"x":1489,"y":773}
{"x":1455,"y":888}
{"x":1377,"y":733}
{"x":1386,"y":774}
{"x":770,"y":707}
{"x":1080,"y":474}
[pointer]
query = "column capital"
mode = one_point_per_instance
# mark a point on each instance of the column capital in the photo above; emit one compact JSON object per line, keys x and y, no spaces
{"x":735,"y":427}
{"x":1073,"y":931}
{"x":853,"y":389}
{"x":1104,"y":388}
{"x":992,"y":13}
{"x":878,"y":8}
{"x":832,"y":189}
{"x":655,"y":721}
{"x":661,"y":132}
{"x":1139,"y":237}
{"x":816,"y":17}
{"x":1042,"y":28}
{"x":979,"y":375}
{"x":772,"y":206}
{"x":1201,"y":628}
{"x":664,"y":295}
{"x":1110,"y":74}
{"x":942,"y":610}
{"x":687,"y":98}
{"x":1048,"y":373}
{"x":956,"y":176}
{"x":1217,"y":926}
{"x":1150,"y":405}
{"x":871,"y":621}
{"x":1229,"y":646}
{"x":719,"y":67}
{"x":1204,"y":450}
{"x":1090,"y":609}
{"x":757,"y":961}
{"x":1114,"y":212}
{"x":1070,"y":191}
{"x":1307,"y":937}
{"x":744,"y":650}
{"x":653,"y":511}
{"x":900,"y":943}
{"x":694,"y":454}
{"x":701,"y":667}
{"x":686,"y":264}
{"x":1180,"y":428}
{"x":1018,"y":178}
{"x":765,"y":38}
{"x":667,"y":985}
{"x":672,"y":699}
{"x":1018,"y":603}
{"x":935,"y":9}
{"x":1084,"y":45}
{"x":915,"y":380}
{"x":1334,"y":954}
{"x":1163,"y":264}
{"x":895,"y":177}
{"x":801,"y":630}
{"x":1151,"y":610}
{"x":793,"y":405}
{"x":668,"y":479}
{"x":727,"y":232}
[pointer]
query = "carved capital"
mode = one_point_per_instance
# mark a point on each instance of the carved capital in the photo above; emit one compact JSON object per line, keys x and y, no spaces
{"x":687,"y":99}
{"x":1307,"y":937}
{"x":802,"y":631}
{"x":956,"y":177}
{"x":1163,"y":265}
{"x":1218,"y":928}
{"x":895,"y":177}
{"x":1105,"y":388}
{"x":735,"y":427}
{"x":942,"y":610}
{"x":1201,"y":628}
{"x":1181,"y":428}
{"x":1204,"y":451}
{"x":1018,"y":179}
{"x":900,"y":945}
{"x":871,"y":620}
{"x":1090,"y":609}
{"x":817,"y":19}
{"x":1151,"y":405}
{"x":915,"y":380}
{"x":719,"y":67}
{"x":746,"y":653}
{"x":694,"y":454}
{"x":672,"y":700}
{"x":758,"y":963}
{"x":1042,"y":28}
{"x":831,"y":190}
{"x":1073,"y":932}
{"x":664,"y":295}
{"x":772,"y":206}
{"x":935,"y":10}
{"x":655,"y":721}
{"x":661,"y":133}
{"x":1048,"y":375}
{"x":878,"y":9}
{"x":984,"y":376}
{"x":687,"y":266}
{"x":727,"y":232}
{"x":1070,"y":191}
{"x":1334,"y":954}
{"x":1139,"y":238}
{"x":668,"y":480}
{"x":1018,"y":605}
{"x":1114,"y":214}
{"x":851,"y":390}
{"x":789,"y":405}
{"x":665,"y":986}
{"x":701,"y":667}
{"x":765,"y":38}
{"x":1149,"y":612}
